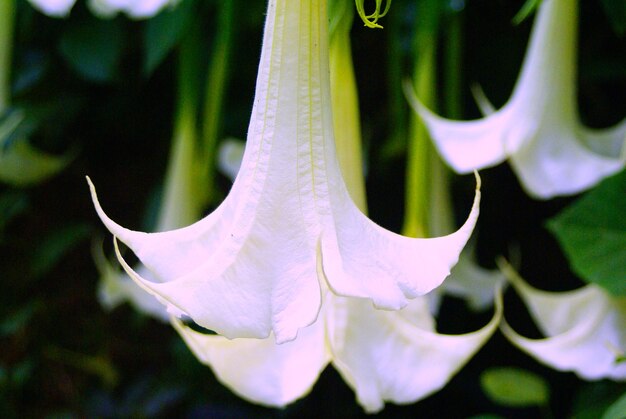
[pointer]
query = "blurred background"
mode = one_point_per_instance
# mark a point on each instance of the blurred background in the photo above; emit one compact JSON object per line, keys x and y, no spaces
{"x":102,"y":93}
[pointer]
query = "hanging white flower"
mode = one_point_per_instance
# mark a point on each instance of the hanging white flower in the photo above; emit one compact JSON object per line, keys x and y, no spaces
{"x":137,"y":9}
{"x":585,"y":329}
{"x":538,"y":130}
{"x":384,"y":356}
{"x":256,"y":265}
{"x":54,"y":8}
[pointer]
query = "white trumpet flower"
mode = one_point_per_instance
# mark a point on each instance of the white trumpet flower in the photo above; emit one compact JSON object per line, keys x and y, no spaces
{"x":256,"y":265}
{"x":54,"y":8}
{"x":137,"y":9}
{"x":384,"y":356}
{"x":187,"y":188}
{"x":585,"y":329}
{"x":538,"y":130}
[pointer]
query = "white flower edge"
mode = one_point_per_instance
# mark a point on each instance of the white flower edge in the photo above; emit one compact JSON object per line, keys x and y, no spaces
{"x":383,"y":356}
{"x":136,"y":9}
{"x":54,"y":8}
{"x":585,"y":329}
{"x":471,"y":282}
{"x":538,"y":129}
{"x":260,"y":370}
{"x":251,"y":267}
{"x":391,"y":357}
{"x":115,"y":288}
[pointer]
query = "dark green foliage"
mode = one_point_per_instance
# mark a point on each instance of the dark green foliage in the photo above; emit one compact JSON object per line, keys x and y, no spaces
{"x":592,"y":233}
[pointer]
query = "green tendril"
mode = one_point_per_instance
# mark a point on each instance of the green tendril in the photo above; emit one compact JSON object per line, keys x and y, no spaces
{"x":527,"y":9}
{"x":371,"y":20}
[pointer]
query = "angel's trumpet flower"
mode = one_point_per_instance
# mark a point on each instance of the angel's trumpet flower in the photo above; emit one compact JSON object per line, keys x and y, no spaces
{"x":585,"y":329}
{"x":257,"y":264}
{"x":538,"y":130}
{"x":383,"y":355}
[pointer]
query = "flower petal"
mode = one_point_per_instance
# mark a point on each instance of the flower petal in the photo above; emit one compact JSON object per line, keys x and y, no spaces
{"x":136,"y":9}
{"x":115,"y":287}
{"x":585,"y":329}
{"x":390,"y":356}
{"x":609,"y":142}
{"x":260,"y":370}
{"x":249,"y":268}
{"x":361,"y":259}
{"x":54,"y":8}
{"x":538,"y":128}
{"x":547,"y":167}
{"x":472,"y":282}
{"x":467,"y":145}
{"x":229,"y":157}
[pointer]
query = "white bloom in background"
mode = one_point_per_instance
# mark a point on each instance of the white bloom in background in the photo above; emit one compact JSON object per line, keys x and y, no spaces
{"x":229,"y":156}
{"x":116,"y":287}
{"x":471,"y":282}
{"x":54,"y":8}
{"x":258,"y":263}
{"x":538,"y":130}
{"x":138,"y":9}
{"x":585,"y":329}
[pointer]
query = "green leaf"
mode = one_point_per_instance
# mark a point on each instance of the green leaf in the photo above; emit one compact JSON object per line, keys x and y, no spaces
{"x":93,"y":48}
{"x":55,"y":245}
{"x":18,"y":320}
{"x":514,"y":387}
{"x":12,"y":203}
{"x":592,"y":399}
{"x":616,"y":12}
{"x":617,"y":410}
{"x":592,"y":232}
{"x":163,"y":33}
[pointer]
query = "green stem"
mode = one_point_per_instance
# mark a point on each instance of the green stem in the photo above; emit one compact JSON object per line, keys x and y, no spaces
{"x":397,"y":114}
{"x":180,"y":204}
{"x":418,"y":169}
{"x":441,"y":221}
{"x":345,"y":100}
{"x":217,"y":80}
{"x":7,"y":21}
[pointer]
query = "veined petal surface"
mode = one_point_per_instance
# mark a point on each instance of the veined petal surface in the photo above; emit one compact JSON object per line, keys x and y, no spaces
{"x":362,"y":259}
{"x":250,"y":266}
{"x":259,"y":370}
{"x":396,"y":355}
{"x":585,"y":330}
{"x":249,"y":269}
{"x":538,"y":129}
